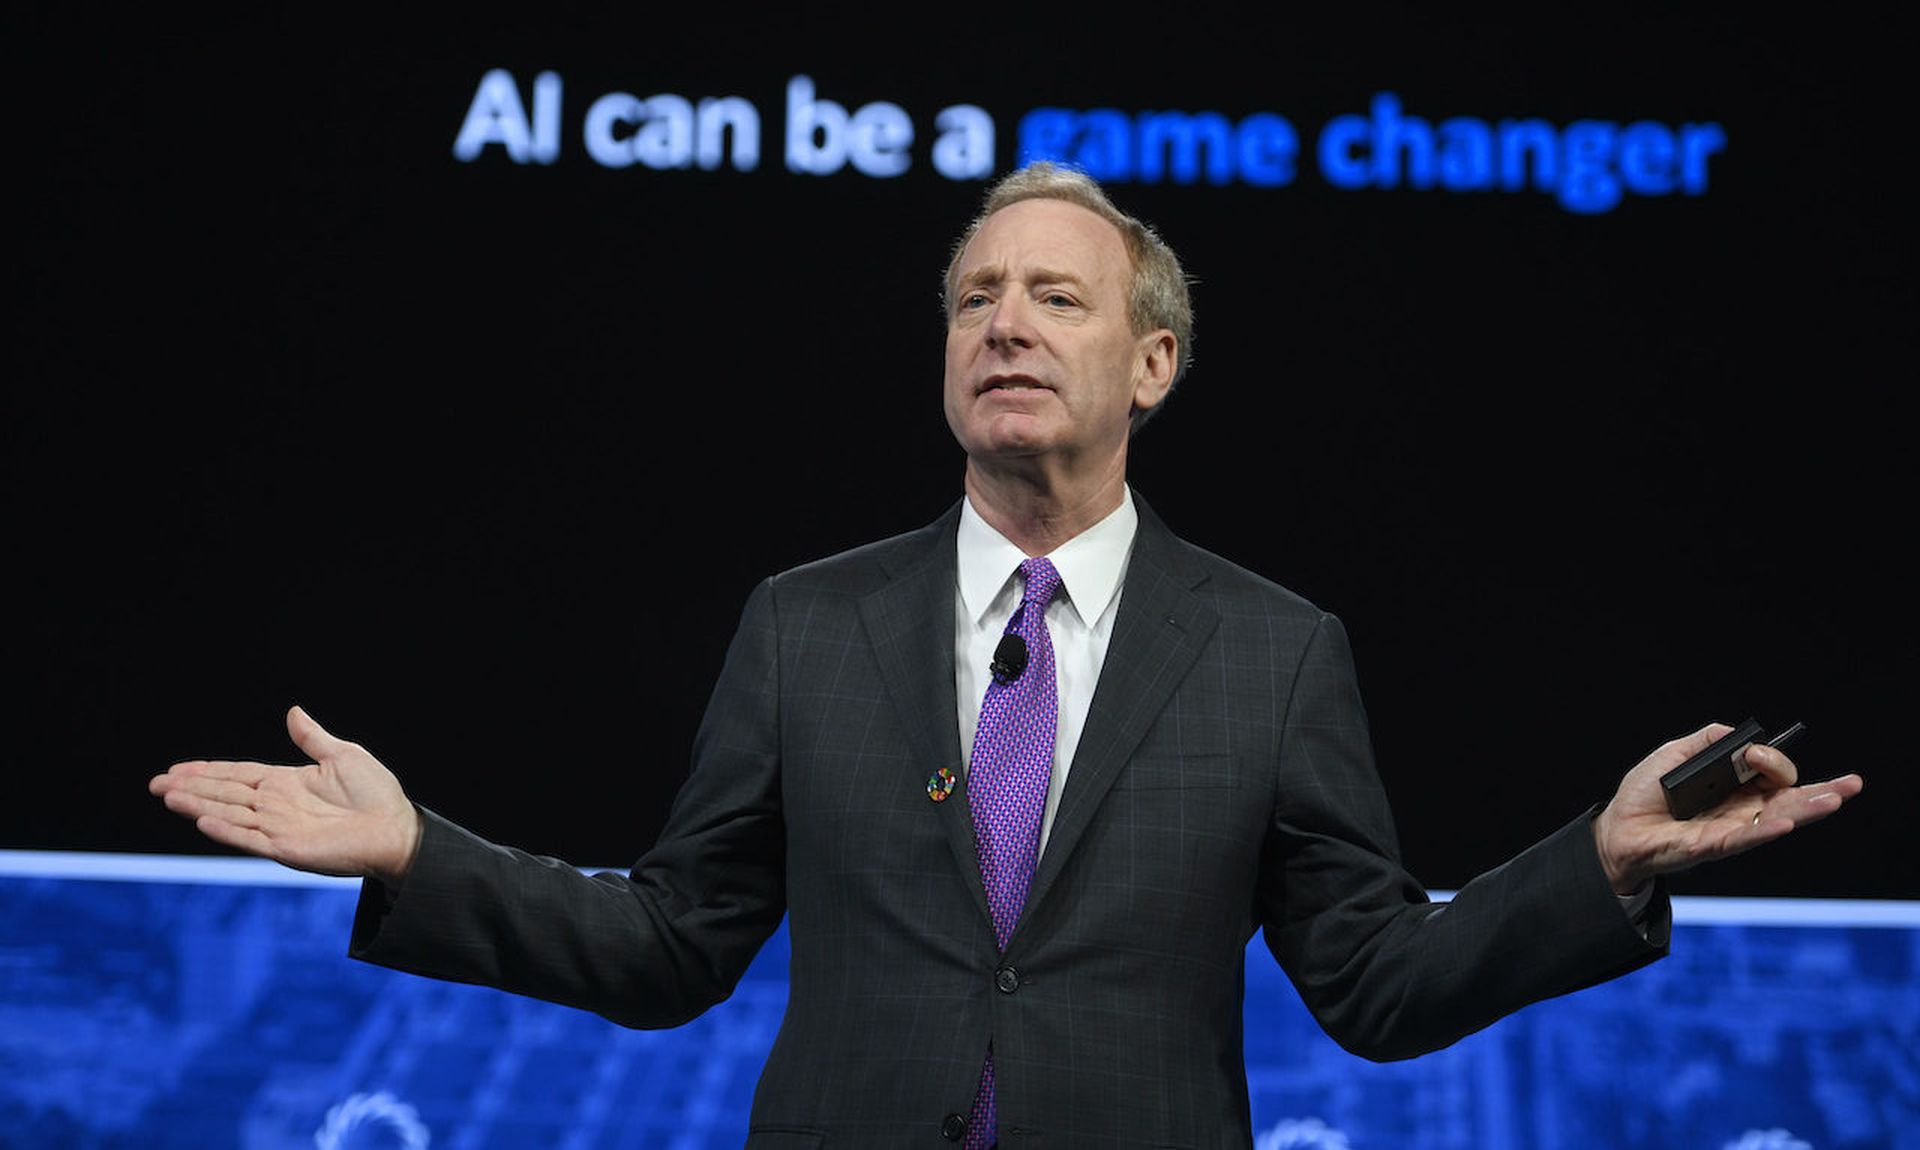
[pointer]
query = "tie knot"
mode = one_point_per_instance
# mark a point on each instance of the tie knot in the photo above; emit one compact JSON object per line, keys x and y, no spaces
{"x":1041,"y":581}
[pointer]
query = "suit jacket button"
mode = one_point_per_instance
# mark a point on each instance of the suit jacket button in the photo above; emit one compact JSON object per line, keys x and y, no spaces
{"x":953,"y":1127}
{"x":1007,"y":979}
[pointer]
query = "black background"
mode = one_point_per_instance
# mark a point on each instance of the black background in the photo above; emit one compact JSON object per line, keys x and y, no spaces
{"x":478,"y":461}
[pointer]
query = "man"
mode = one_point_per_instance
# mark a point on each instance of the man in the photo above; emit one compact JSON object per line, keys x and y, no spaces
{"x":1025,"y":782}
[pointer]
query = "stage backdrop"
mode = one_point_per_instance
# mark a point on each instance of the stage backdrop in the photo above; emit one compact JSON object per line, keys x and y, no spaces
{"x":458,"y":383}
{"x":204,"y":1004}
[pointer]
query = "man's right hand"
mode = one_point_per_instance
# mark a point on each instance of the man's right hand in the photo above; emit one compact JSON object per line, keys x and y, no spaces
{"x":344,"y":814}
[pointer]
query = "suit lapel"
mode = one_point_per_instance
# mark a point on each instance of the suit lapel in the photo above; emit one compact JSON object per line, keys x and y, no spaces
{"x":910,"y":622}
{"x":1161,"y":629}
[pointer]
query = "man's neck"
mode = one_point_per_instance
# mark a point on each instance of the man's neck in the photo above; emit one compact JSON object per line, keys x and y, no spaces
{"x":1038,"y":513}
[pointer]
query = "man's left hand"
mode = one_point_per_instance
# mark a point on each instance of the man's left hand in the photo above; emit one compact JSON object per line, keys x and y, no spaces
{"x":1639,"y":838}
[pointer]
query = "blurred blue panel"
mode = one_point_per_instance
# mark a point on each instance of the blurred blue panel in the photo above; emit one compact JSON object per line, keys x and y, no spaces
{"x":208,"y":1003}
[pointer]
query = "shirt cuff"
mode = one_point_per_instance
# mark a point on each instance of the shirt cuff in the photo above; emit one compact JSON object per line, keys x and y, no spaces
{"x":1636,"y":906}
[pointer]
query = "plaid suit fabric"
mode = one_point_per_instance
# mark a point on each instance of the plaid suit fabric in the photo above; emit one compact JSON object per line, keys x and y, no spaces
{"x":1224,"y":784}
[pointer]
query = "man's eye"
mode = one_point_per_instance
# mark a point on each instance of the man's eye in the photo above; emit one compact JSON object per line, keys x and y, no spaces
{"x":973,"y":300}
{"x":1058,"y":299}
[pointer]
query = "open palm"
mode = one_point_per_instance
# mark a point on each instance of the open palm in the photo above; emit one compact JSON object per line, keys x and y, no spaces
{"x":343,"y":814}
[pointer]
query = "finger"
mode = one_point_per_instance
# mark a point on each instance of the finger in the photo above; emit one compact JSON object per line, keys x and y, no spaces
{"x":198,"y":807}
{"x":196,"y":796}
{"x":233,"y":771}
{"x":219,"y":790}
{"x":1816,"y":807}
{"x":1783,"y":811}
{"x":1810,"y":804}
{"x":1773,"y":769}
{"x":1770,"y":825}
{"x":180,"y":774}
{"x":230,"y":834}
{"x":311,"y":737}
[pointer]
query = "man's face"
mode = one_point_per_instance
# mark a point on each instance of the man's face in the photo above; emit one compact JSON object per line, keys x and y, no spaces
{"x":1041,"y":357}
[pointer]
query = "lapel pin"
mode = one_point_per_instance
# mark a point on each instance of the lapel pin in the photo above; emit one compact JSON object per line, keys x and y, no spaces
{"x":940,"y":785}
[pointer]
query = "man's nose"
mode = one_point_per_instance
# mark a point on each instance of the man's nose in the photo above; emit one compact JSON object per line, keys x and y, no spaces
{"x":1011,"y":324}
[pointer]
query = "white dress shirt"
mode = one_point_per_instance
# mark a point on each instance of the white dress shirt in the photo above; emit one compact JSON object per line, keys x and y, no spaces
{"x":1092,"y":566}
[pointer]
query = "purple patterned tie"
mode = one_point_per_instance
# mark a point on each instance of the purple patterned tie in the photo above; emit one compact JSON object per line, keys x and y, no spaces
{"x":1007,"y":786}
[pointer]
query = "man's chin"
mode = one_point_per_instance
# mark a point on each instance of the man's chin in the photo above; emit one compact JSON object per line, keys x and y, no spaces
{"x":1012,"y":439}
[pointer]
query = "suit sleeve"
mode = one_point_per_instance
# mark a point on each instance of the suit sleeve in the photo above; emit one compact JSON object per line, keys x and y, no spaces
{"x":651,"y":948}
{"x":1386,"y":972}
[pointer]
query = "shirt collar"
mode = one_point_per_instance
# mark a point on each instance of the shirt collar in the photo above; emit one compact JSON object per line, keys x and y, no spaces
{"x":1090,"y":564}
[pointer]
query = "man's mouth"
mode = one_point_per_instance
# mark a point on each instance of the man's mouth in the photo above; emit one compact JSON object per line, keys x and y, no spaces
{"x":1012,"y":383}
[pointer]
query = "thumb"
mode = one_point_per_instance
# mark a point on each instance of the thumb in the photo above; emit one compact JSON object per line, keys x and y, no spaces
{"x":310,"y":736}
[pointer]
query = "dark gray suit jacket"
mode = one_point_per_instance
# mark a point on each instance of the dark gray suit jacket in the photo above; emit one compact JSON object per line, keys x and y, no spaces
{"x":1224,"y":783}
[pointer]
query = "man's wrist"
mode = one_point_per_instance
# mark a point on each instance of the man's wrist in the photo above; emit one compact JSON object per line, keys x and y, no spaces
{"x":394,"y":875}
{"x":1626,"y":879}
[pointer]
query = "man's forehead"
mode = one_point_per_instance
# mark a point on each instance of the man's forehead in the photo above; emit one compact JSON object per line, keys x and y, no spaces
{"x":1042,"y":233}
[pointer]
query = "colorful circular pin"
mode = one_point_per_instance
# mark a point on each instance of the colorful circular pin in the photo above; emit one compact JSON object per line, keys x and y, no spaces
{"x":940,"y":785}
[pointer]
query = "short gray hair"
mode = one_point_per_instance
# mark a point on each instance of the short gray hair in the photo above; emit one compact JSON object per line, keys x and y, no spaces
{"x":1158,"y":296}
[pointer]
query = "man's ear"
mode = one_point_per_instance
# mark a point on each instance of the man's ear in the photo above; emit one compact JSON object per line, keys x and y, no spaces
{"x":1159,"y":351}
